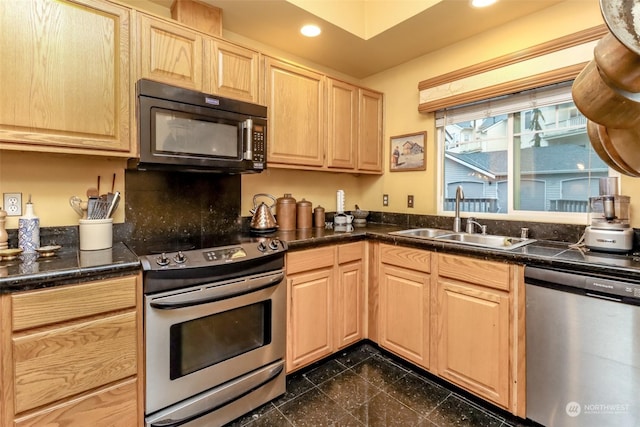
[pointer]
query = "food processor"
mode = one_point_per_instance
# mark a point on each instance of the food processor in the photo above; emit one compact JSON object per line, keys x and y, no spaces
{"x":609,"y":218}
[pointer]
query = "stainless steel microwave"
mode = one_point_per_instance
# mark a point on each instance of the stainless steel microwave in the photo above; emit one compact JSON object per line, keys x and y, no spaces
{"x":186,"y":130}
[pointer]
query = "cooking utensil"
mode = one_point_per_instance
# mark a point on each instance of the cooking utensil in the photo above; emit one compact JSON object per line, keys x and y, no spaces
{"x":619,"y":64}
{"x":596,"y":143}
{"x":603,"y":103}
{"x":114,"y":204}
{"x":622,"y":146}
{"x":263,"y":220}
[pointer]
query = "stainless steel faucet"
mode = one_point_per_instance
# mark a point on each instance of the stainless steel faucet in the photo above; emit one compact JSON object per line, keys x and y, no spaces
{"x":456,"y":220}
{"x":471,"y":222}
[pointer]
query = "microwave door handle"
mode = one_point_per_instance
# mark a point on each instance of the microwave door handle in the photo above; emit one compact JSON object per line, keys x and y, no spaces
{"x":247,"y":129}
{"x":217,"y":293}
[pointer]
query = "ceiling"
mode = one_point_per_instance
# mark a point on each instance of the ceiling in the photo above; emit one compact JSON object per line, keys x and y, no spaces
{"x":276,"y":23}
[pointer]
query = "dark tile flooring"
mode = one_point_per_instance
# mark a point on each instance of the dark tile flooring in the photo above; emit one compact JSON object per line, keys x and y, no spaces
{"x":365,"y":386}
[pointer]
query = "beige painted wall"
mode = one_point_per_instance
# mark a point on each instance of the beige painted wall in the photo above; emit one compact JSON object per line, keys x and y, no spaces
{"x":51,"y":179}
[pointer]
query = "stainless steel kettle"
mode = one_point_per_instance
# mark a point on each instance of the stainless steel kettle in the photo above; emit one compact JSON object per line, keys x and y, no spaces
{"x":263,"y":220}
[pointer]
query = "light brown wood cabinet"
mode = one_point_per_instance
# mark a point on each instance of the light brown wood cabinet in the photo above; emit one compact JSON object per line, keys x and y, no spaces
{"x":175,"y":54}
{"x":404,"y":300}
{"x":73,"y":355}
{"x":65,"y":75}
{"x":320,"y":123}
{"x":295,"y":99}
{"x":325,"y":311}
{"x":474,"y":324}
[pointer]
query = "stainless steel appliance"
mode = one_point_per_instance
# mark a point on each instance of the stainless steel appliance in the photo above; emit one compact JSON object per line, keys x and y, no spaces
{"x":185,"y":130}
{"x":583,"y":351}
{"x":214,"y":322}
{"x":610,"y":230}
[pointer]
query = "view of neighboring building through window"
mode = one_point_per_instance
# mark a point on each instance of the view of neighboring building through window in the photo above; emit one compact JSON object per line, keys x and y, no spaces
{"x":524,"y":152}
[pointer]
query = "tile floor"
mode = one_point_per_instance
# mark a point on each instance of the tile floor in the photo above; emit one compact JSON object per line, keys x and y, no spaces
{"x":365,"y":386}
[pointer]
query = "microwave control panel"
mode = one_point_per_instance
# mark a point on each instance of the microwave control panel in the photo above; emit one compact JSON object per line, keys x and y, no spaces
{"x":259,"y":147}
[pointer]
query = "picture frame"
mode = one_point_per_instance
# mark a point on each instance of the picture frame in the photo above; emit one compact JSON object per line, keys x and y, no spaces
{"x":407,"y":152}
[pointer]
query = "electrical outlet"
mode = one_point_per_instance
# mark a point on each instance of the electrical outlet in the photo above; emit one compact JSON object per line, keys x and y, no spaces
{"x":13,"y":204}
{"x":410,"y":201}
{"x":385,"y":200}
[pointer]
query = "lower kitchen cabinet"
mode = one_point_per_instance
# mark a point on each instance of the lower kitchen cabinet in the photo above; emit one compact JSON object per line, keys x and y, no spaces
{"x":404,"y":299}
{"x":72,"y":355}
{"x":474,"y":326}
{"x":325,"y":301}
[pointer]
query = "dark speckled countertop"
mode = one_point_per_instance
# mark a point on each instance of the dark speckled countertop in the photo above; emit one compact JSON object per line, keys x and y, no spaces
{"x":539,"y":253}
{"x":71,"y":265}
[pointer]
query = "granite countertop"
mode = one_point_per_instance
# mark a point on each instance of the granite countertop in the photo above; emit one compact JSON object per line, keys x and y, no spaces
{"x":70,"y":265}
{"x":539,"y":253}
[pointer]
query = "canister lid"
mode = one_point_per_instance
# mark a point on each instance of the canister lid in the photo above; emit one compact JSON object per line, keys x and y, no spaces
{"x":286,"y":199}
{"x":304,"y":202}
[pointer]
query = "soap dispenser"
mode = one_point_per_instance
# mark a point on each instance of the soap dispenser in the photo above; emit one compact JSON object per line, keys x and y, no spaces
{"x":29,"y":230}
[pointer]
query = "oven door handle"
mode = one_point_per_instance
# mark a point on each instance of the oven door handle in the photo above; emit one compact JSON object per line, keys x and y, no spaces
{"x":223,"y":396}
{"x":217,"y":293}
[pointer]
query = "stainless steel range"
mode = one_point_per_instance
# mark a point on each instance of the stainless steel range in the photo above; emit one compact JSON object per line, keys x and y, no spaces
{"x":214,"y":331}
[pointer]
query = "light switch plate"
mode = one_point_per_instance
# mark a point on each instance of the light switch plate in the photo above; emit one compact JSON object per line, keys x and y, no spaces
{"x":410,"y":201}
{"x":13,"y":204}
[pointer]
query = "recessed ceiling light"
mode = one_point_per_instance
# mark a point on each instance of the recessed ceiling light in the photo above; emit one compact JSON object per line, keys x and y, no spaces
{"x":482,"y":3}
{"x":310,"y":30}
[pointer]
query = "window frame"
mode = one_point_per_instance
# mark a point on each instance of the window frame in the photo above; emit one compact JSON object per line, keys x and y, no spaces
{"x":556,"y":94}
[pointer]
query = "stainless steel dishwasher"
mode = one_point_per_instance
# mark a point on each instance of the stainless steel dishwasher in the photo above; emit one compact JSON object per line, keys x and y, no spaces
{"x":583,"y":349}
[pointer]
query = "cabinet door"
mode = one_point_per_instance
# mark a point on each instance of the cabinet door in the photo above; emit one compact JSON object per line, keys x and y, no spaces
{"x":370,"y":131}
{"x":342,"y":123}
{"x":296,"y":106}
{"x":169,"y":53}
{"x":473,"y":339}
{"x":404,"y":313}
{"x":310,"y":308}
{"x":349,"y":295}
{"x":65,"y":76}
{"x":233,"y":71}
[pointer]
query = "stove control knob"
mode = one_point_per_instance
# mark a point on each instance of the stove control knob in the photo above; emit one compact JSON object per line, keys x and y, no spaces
{"x":180,"y":258}
{"x":262,"y":247}
{"x":162,"y":260}
{"x":273,"y":245}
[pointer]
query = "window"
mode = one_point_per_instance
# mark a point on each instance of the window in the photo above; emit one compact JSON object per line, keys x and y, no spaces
{"x":526,"y":154}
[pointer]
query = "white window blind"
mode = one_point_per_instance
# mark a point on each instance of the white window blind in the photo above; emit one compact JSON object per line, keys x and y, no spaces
{"x":527,"y":100}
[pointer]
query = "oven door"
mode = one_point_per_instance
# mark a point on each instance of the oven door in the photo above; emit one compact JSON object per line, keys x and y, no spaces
{"x":201,"y":337}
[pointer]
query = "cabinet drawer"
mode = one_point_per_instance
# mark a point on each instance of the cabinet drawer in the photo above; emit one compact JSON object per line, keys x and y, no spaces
{"x":60,"y":362}
{"x":48,"y":306}
{"x":115,"y":406}
{"x":478,"y":272}
{"x":310,"y":259}
{"x":414,"y":259}
{"x":350,"y":252}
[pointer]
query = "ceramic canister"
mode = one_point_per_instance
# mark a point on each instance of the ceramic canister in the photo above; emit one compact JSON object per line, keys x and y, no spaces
{"x":286,"y":212}
{"x":318,"y":217}
{"x":304,"y":214}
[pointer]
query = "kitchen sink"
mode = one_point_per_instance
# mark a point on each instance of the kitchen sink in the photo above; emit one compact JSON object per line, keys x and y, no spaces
{"x":422,"y":232}
{"x":491,"y":241}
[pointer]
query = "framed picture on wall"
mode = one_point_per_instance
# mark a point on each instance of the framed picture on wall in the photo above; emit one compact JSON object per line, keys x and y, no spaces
{"x":408,"y":152}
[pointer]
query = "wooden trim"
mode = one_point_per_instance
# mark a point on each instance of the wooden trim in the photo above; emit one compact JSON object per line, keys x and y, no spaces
{"x":537,"y":80}
{"x":6,"y":363}
{"x":564,"y":42}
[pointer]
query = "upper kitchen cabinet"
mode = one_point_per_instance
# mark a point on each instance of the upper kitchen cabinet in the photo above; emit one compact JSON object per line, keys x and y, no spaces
{"x":65,"y":71}
{"x":370,"y":131}
{"x":232,"y":71}
{"x":295,"y":103}
{"x":320,"y":123}
{"x":175,"y":54}
{"x":169,"y":53}
{"x":342,"y":144}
